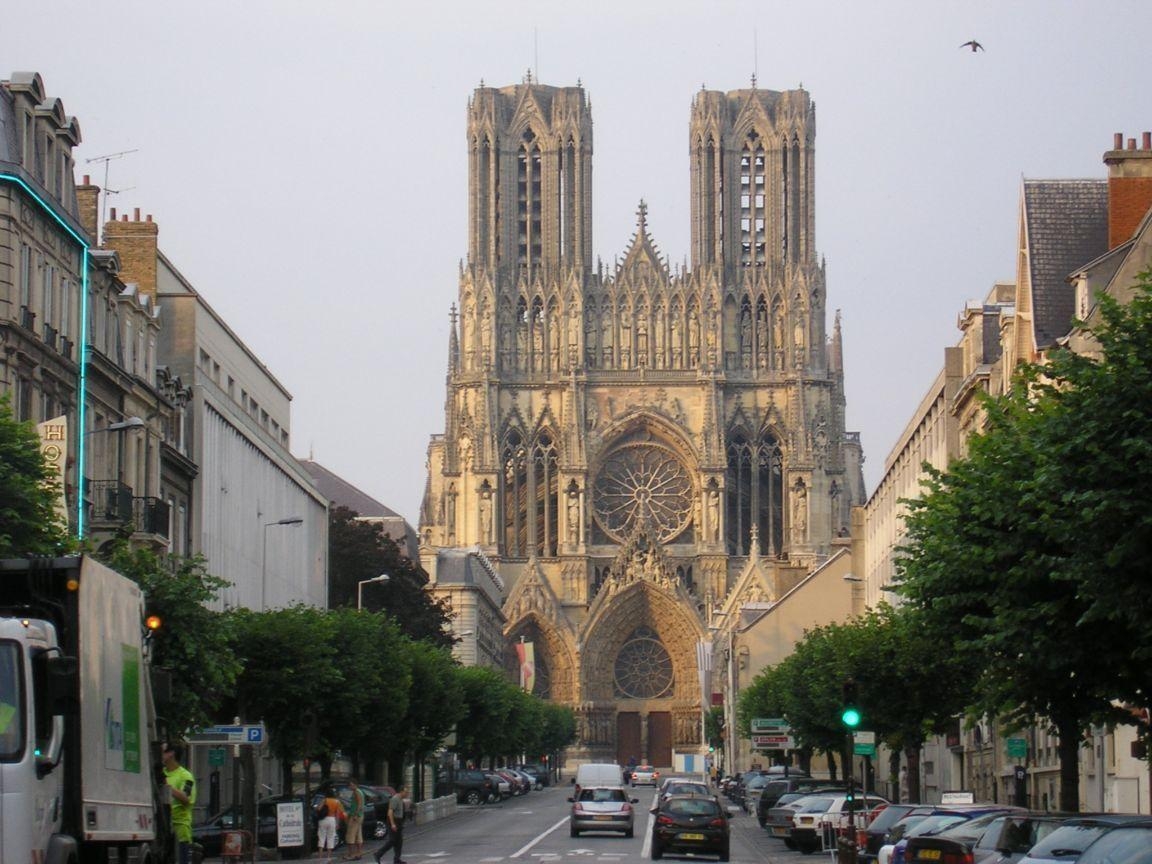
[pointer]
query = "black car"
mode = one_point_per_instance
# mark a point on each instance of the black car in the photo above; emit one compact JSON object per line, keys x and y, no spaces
{"x":1123,"y":844}
{"x":210,"y":834}
{"x":475,"y":787}
{"x":952,"y":845}
{"x":877,"y":832}
{"x":1065,"y":843}
{"x":690,"y":824}
{"x":375,"y":803}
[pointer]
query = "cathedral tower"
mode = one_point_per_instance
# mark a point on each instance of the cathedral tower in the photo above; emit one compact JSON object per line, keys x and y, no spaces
{"x":637,"y":451}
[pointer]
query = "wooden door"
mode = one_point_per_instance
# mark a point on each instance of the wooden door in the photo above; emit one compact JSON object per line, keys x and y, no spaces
{"x":627,"y":737}
{"x":660,"y":739}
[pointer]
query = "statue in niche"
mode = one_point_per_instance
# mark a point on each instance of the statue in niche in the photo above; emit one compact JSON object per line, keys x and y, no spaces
{"x":762,"y":337}
{"x":573,"y":516}
{"x":799,"y":513}
{"x":798,"y":342}
{"x":778,"y":338}
{"x":607,"y":339}
{"x":677,"y":344}
{"x":522,"y":346}
{"x":625,"y":339}
{"x":714,"y":515}
{"x":485,"y":513}
{"x":642,"y":339}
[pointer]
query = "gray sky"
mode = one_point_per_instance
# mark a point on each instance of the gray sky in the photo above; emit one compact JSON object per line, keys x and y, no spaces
{"x":306,"y":163}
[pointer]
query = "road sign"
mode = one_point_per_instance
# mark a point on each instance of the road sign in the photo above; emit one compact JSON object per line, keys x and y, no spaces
{"x":217,"y":757}
{"x":244,"y":734}
{"x":773,"y":742}
{"x":864,"y":743}
{"x":1017,"y":748}
{"x":771,"y":726}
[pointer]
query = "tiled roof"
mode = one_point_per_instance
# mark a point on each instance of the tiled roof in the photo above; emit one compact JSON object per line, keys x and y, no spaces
{"x":343,"y":494}
{"x":1067,"y":225}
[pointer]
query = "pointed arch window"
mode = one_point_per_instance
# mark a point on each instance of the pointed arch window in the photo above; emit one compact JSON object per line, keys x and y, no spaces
{"x":752,"y":203}
{"x":514,"y":495}
{"x":528,"y":203}
{"x":545,"y":494}
{"x":755,"y":493}
{"x":529,"y":495}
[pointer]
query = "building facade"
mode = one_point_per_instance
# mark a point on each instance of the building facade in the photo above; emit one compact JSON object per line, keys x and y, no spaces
{"x":640,"y":451}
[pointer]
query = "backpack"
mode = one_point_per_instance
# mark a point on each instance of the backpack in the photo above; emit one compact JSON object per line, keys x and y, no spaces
{"x":322,"y":810}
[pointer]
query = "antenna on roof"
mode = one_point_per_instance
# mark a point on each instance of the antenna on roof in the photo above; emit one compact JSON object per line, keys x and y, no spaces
{"x":105,"y":189}
{"x":755,"y":56}
{"x":536,"y":52}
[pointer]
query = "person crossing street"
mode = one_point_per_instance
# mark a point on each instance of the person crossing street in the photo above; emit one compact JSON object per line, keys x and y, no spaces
{"x":395,"y":840}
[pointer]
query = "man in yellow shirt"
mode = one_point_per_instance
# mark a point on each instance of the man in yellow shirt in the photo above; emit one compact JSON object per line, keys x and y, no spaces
{"x":182,"y":791}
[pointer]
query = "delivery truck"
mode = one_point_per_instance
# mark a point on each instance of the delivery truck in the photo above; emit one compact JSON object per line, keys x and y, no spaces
{"x":79,"y":753}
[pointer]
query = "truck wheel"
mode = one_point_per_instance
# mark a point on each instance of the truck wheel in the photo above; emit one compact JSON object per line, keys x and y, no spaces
{"x":473,"y":797}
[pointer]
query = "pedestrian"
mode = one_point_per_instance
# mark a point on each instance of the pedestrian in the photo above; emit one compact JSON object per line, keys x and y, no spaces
{"x":182,"y":797}
{"x":329,"y":810}
{"x":354,"y":829}
{"x":395,"y":840}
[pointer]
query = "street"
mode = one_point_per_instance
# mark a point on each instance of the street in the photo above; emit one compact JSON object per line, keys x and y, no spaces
{"x":534,"y":828}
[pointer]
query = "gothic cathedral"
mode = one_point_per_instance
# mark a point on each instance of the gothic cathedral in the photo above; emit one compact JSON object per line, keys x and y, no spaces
{"x":639,"y":449}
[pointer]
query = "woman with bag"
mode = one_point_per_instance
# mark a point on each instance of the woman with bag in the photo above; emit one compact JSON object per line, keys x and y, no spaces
{"x":329,"y":810}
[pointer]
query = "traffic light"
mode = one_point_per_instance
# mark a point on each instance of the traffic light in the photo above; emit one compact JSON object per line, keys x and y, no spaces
{"x":849,"y":712}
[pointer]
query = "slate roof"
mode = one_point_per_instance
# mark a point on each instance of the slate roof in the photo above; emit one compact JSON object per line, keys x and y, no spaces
{"x":340,"y":492}
{"x":468,"y":567}
{"x":1067,"y":226}
{"x":9,"y":152}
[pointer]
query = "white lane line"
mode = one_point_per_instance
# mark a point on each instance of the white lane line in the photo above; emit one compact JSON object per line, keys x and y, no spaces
{"x":538,"y":838}
{"x":646,"y":849}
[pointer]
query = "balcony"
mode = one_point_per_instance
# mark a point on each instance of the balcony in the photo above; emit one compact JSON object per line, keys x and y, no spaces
{"x":27,"y":318}
{"x":151,"y":516}
{"x":111,"y":501}
{"x":66,"y":347}
{"x":50,"y":336}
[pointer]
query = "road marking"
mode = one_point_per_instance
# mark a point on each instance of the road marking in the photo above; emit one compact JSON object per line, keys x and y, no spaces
{"x":538,"y":838}
{"x":646,"y":849}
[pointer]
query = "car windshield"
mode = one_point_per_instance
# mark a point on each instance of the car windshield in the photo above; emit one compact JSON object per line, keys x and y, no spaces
{"x":602,"y":795}
{"x":1124,"y":845}
{"x":686,"y":789}
{"x":815,"y":805}
{"x":11,"y":702}
{"x":970,"y":830}
{"x":934,"y":824}
{"x":692,"y":807}
{"x":1067,"y":841}
{"x":889,"y":816}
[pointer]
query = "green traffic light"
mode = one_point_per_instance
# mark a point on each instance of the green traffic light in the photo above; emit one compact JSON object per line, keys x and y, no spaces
{"x":850,"y":717}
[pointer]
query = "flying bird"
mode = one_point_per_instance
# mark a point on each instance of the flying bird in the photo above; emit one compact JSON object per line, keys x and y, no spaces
{"x":974,"y":45}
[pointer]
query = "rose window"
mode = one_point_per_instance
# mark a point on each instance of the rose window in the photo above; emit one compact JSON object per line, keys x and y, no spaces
{"x":643,"y":482}
{"x":643,"y":669}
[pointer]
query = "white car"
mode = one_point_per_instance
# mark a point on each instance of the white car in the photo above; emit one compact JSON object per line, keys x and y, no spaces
{"x":684,"y":786}
{"x":821,"y":815}
{"x":645,"y":775}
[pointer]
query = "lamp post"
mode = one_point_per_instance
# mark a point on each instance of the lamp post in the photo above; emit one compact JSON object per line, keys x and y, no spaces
{"x":383,"y":577}
{"x":291,"y":520}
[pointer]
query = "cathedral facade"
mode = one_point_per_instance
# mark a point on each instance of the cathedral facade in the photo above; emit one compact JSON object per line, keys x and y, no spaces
{"x":639,"y":451}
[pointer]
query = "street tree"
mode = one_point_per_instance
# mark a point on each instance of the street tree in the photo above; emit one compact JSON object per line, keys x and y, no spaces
{"x":193,"y":646}
{"x":488,"y":701}
{"x":29,"y":522}
{"x":359,"y":550}
{"x":988,"y":575}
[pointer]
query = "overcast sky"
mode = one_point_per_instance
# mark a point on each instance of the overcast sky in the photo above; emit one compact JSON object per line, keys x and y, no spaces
{"x":306,"y":163}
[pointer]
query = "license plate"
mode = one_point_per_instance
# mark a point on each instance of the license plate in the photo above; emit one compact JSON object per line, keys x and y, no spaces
{"x":927,"y":854}
{"x":604,"y":818}
{"x":779,"y":832}
{"x":691,"y":836}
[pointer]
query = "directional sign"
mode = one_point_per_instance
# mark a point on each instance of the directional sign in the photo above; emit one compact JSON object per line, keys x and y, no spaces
{"x":1018,"y":748}
{"x":773,"y":742}
{"x":245,"y":734}
{"x":770,"y":726}
{"x":864,"y":743}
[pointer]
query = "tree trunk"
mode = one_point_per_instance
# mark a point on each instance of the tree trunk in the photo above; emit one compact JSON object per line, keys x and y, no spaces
{"x":894,"y":776}
{"x":832,"y":764}
{"x":912,"y":758}
{"x":1070,"y":732}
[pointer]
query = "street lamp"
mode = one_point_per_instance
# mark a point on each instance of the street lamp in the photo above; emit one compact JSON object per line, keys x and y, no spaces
{"x":291,"y":520}
{"x":383,"y":577}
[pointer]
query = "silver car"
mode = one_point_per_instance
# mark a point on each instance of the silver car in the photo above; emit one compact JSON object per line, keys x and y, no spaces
{"x":602,"y":808}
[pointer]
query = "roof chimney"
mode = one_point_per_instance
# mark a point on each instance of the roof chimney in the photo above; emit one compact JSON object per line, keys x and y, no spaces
{"x":1129,"y":186}
{"x":88,"y":203}
{"x":135,"y":241}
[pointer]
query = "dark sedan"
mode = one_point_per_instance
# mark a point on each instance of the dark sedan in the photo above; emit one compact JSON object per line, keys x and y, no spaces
{"x":210,"y":834}
{"x":1076,"y":834}
{"x":952,"y":845}
{"x":690,"y":824}
{"x":1124,"y":844}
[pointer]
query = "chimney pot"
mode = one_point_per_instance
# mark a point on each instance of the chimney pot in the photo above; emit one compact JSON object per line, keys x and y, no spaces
{"x":136,"y":212}
{"x":148,"y":218}
{"x":1147,"y":143}
{"x":124,"y":218}
{"x":113,"y":214}
{"x":1118,"y":141}
{"x":1131,"y":143}
{"x":87,"y":181}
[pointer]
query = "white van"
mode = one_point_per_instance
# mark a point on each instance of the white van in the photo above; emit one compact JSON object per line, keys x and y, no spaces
{"x":599,"y":774}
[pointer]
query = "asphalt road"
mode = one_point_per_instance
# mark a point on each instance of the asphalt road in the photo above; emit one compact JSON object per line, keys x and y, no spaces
{"x":533,"y":829}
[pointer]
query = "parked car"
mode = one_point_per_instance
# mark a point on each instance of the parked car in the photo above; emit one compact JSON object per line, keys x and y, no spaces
{"x":210,"y":834}
{"x":1075,"y":835}
{"x":602,"y":808}
{"x":937,"y":820}
{"x":1122,"y":844}
{"x":735,"y":790}
{"x":877,"y":832}
{"x":539,"y":772}
{"x":777,"y":786}
{"x":818,"y":814}
{"x":956,"y":845}
{"x":644,"y":775}
{"x":690,"y":824}
{"x":517,"y":784}
{"x":475,"y":787}
{"x":375,"y":802}
{"x":779,"y":821}
{"x":503,"y":785}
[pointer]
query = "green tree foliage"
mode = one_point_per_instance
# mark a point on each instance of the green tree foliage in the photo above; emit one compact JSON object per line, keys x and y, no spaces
{"x":435,"y":703}
{"x":488,"y":702}
{"x":1030,"y":556}
{"x":29,"y":523}
{"x":193,"y":644}
{"x":359,"y":550}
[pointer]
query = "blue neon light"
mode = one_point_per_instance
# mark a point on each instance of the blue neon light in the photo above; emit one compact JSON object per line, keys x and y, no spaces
{"x":82,"y":343}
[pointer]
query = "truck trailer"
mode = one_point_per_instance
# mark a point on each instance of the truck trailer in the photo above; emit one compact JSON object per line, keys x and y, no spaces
{"x":79,"y":746}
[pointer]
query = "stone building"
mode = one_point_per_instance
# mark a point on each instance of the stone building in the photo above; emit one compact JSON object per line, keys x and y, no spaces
{"x":641,"y":451}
